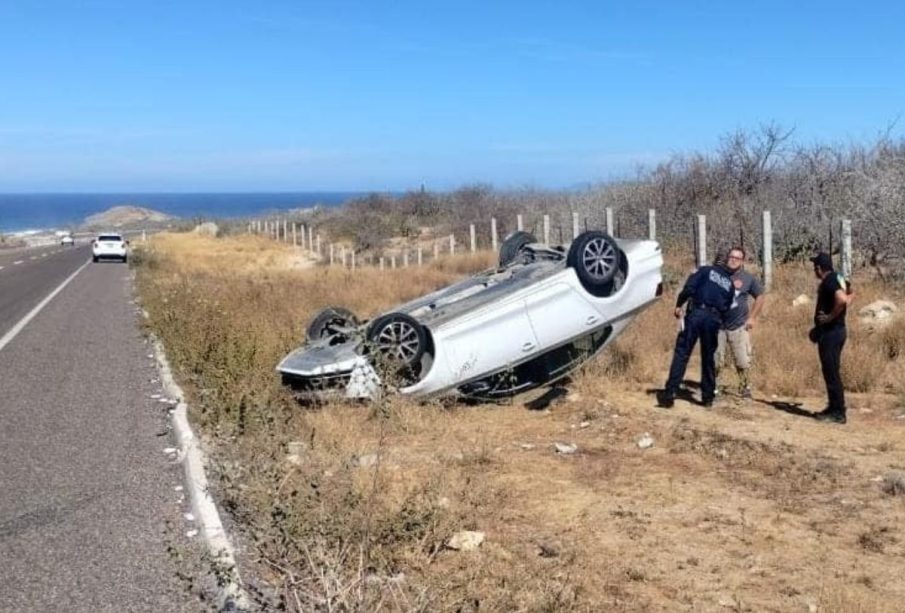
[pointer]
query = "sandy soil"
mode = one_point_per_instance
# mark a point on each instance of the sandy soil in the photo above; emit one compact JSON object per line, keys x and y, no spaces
{"x":752,"y":506}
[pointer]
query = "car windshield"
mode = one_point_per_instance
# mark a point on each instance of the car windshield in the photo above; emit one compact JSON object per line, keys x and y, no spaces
{"x":109,"y":237}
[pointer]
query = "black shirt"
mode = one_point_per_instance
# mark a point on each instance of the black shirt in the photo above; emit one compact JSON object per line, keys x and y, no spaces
{"x":709,"y":287}
{"x":826,"y":298}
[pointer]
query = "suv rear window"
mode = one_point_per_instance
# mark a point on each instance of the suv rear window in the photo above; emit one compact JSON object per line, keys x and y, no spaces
{"x":109,"y":237}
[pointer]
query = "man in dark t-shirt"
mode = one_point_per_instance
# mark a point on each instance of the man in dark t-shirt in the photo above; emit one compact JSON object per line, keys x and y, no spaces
{"x":829,"y":332}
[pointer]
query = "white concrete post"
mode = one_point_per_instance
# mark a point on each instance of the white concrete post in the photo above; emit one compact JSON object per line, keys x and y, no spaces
{"x":473,"y":237}
{"x":452,"y":244}
{"x":610,"y":225}
{"x":493,"y":234}
{"x":144,"y":236}
{"x":546,"y":229}
{"x":420,"y":255}
{"x":768,"y":251}
{"x":311,"y":240}
{"x":286,"y":230}
{"x":302,"y":233}
{"x":436,"y":250}
{"x":331,"y":254}
{"x":405,"y":258}
{"x":295,"y":234}
{"x":353,"y":259}
{"x":381,"y":263}
{"x":576,"y":230}
{"x":519,"y":222}
{"x":652,"y":224}
{"x":847,"y":248}
{"x":702,"y":240}
{"x":318,"y":244}
{"x":342,"y":255}
{"x":393,"y":262}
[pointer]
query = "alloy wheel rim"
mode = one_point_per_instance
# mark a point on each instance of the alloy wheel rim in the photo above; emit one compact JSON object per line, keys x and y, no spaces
{"x":599,"y":258}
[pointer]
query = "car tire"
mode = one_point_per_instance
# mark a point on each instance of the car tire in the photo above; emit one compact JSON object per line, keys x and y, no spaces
{"x":513,"y":245}
{"x":596,"y":258}
{"x":125,"y":259}
{"x":398,"y":340}
{"x":94,"y":259}
{"x":322,"y":323}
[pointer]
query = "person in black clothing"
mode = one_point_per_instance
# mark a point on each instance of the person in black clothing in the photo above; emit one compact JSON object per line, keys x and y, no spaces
{"x":829,"y":332}
{"x":709,"y":292}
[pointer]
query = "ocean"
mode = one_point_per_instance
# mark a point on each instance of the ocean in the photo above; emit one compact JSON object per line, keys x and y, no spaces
{"x":29,"y":212}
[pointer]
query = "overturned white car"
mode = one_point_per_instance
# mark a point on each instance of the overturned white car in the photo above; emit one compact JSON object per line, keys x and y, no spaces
{"x":537,"y":316}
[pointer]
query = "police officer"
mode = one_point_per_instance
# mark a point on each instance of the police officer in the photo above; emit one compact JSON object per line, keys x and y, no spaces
{"x":829,"y":332}
{"x":709,"y":292}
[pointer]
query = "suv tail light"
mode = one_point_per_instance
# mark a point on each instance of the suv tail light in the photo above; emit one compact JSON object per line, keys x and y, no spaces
{"x":659,"y":290}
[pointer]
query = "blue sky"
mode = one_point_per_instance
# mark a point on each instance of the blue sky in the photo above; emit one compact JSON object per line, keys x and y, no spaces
{"x":295,"y":96}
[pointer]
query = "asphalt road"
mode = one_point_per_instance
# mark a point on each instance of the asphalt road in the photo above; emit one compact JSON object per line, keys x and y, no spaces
{"x":89,"y":512}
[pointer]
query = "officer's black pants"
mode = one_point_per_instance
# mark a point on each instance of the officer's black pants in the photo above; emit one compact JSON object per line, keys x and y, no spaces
{"x":703,"y":324}
{"x":829,"y":347}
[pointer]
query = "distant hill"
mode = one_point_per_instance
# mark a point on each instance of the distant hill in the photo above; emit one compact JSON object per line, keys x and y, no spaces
{"x":123,"y":216}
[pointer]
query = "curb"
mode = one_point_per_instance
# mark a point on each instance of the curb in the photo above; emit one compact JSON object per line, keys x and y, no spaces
{"x":230,"y":596}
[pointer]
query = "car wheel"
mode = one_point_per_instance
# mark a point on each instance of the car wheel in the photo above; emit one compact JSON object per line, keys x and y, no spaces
{"x":513,"y":245}
{"x":398,"y":340}
{"x":125,"y":259}
{"x":94,"y":259}
{"x":596,"y":259}
{"x":326,"y":322}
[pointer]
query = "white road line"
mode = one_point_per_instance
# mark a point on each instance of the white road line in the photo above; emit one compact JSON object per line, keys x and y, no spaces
{"x":34,"y":257}
{"x":17,"y":262}
{"x":31,"y":314}
{"x":43,"y":255}
{"x":1,"y":267}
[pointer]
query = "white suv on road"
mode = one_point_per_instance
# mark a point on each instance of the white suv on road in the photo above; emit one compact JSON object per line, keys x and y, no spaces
{"x":109,"y":246}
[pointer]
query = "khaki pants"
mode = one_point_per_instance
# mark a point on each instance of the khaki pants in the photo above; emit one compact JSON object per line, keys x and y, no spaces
{"x":738,"y":344}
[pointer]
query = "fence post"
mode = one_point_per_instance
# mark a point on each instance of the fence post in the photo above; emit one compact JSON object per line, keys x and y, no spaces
{"x":493,"y":238}
{"x":452,"y":244}
{"x":285,"y":230}
{"x":342,"y":255}
{"x":353,"y":259}
{"x":311,"y":245}
{"x":652,"y":224}
{"x":471,"y":235}
{"x":331,"y":254}
{"x":702,"y":240}
{"x":420,"y":255}
{"x":295,"y":234}
{"x":436,"y":250}
{"x":144,"y":236}
{"x":318,"y":241}
{"x":768,"y":251}
{"x":575,"y":225}
{"x":381,"y":263}
{"x":847,"y":248}
{"x":546,"y":229}
{"x":405,"y":258}
{"x":519,"y":222}
{"x":393,"y":262}
{"x":610,"y":226}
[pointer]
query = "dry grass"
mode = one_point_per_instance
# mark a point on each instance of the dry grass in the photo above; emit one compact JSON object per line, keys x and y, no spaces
{"x":745,"y":509}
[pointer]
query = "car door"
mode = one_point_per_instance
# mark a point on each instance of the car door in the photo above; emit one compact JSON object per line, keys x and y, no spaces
{"x":493,"y":338}
{"x":558,"y":313}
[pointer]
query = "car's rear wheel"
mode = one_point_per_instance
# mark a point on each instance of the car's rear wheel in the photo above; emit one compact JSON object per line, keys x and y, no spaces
{"x":596,"y":258}
{"x":94,"y":259}
{"x":398,"y":342}
{"x":330,"y":322}
{"x":513,"y":246}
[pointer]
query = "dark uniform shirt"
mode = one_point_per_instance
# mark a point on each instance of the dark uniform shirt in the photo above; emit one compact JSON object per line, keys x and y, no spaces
{"x":826,"y":298}
{"x":709,"y":287}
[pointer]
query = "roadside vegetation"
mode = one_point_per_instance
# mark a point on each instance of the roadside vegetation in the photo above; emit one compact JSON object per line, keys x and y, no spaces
{"x":348,"y":507}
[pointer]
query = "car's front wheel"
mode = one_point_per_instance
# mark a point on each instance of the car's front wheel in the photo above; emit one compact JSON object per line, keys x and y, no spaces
{"x":596,"y":258}
{"x":398,"y":342}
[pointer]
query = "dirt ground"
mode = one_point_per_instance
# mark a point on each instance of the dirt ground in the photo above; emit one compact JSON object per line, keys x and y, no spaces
{"x":751,"y":506}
